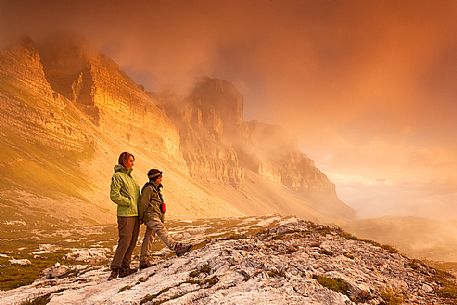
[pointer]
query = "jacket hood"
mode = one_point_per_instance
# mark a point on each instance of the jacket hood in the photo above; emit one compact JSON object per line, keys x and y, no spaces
{"x":120,"y":168}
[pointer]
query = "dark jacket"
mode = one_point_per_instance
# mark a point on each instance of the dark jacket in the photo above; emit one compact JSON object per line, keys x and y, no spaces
{"x":151,"y":199}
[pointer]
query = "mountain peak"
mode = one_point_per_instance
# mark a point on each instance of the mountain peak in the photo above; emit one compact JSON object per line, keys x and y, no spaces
{"x":218,"y":96}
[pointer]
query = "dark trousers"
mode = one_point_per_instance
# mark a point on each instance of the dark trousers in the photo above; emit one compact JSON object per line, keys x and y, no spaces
{"x":128,"y":227}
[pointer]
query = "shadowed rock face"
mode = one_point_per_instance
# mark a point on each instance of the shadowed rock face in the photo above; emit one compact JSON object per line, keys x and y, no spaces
{"x":255,"y":260}
{"x":220,"y":147}
{"x":209,"y":118}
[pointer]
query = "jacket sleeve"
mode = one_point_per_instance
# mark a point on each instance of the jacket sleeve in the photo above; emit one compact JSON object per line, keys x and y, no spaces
{"x":115,"y":193}
{"x":144,"y":201}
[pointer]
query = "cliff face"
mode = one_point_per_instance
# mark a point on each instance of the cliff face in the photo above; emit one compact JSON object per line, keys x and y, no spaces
{"x":270,"y":152}
{"x":206,"y":121}
{"x":33,"y":107}
{"x":70,"y":112}
{"x":216,"y":142}
{"x":113,"y":102}
{"x":69,"y":115}
{"x":219,"y":146}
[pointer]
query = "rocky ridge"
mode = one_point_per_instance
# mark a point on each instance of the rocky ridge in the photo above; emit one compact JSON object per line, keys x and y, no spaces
{"x":266,"y":260}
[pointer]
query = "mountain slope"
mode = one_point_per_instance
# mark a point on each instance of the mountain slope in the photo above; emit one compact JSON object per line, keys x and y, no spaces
{"x":264,"y":260}
{"x":72,"y":111}
{"x":59,"y":160}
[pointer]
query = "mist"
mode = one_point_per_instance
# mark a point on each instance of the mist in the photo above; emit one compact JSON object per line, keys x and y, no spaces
{"x":367,"y":88}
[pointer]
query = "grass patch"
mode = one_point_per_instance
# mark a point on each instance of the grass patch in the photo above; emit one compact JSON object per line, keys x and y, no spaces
{"x":385,"y":247}
{"x":14,"y":276}
{"x":390,"y":297}
{"x":348,"y":255}
{"x":448,"y":285}
{"x":125,"y":288}
{"x":276,"y":273}
{"x":335,"y":284}
{"x":347,"y":235}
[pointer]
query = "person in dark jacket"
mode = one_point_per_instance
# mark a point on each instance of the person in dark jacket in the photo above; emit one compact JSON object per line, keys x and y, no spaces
{"x":152,"y":214}
{"x":125,"y":192}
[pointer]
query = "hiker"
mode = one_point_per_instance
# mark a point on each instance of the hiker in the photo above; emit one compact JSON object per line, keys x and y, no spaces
{"x":152,"y":214}
{"x":125,"y":192}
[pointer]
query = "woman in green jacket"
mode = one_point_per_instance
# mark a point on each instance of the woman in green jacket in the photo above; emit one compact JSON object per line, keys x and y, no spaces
{"x":125,"y":192}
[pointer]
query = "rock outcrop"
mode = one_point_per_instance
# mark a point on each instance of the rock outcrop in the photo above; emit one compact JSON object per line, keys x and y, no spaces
{"x":33,"y":107}
{"x":113,"y":102}
{"x":268,"y":260}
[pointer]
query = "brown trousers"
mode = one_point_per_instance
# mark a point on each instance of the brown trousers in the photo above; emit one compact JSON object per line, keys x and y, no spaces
{"x":155,"y":227}
{"x":128,"y":228}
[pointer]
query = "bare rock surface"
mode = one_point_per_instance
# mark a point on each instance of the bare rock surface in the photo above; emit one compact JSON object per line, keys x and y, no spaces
{"x":262,"y":260}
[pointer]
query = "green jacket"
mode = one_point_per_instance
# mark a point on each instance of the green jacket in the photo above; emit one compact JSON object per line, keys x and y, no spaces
{"x":124,"y":192}
{"x":151,"y":198}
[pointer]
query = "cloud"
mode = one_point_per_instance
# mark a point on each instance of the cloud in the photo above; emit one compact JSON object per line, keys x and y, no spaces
{"x":367,"y":86}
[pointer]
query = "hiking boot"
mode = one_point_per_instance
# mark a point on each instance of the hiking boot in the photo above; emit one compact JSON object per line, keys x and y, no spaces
{"x":145,"y":264}
{"x":181,"y":249}
{"x":114,"y":274}
{"x":126,"y":271}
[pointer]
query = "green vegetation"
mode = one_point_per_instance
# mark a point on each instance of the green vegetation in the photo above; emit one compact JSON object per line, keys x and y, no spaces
{"x":335,"y":284}
{"x":16,"y":275}
{"x":448,"y":285}
{"x":348,"y":255}
{"x":391,"y":297}
{"x":276,"y":273}
{"x":341,"y":286}
{"x":21,"y":241}
{"x":128,"y":287}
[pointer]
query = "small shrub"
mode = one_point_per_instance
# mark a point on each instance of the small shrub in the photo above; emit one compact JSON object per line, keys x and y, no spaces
{"x":391,"y":297}
{"x":448,"y":284}
{"x":347,"y":235}
{"x":348,"y":255}
{"x":335,"y":284}
{"x":385,"y":247}
{"x":276,"y":273}
{"x":128,"y":287}
{"x":389,"y":248}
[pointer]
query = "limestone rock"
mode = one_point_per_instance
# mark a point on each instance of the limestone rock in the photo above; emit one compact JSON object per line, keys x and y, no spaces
{"x":258,"y":268}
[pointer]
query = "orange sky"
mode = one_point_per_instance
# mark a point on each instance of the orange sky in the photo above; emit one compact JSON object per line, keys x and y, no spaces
{"x":369,"y":87}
